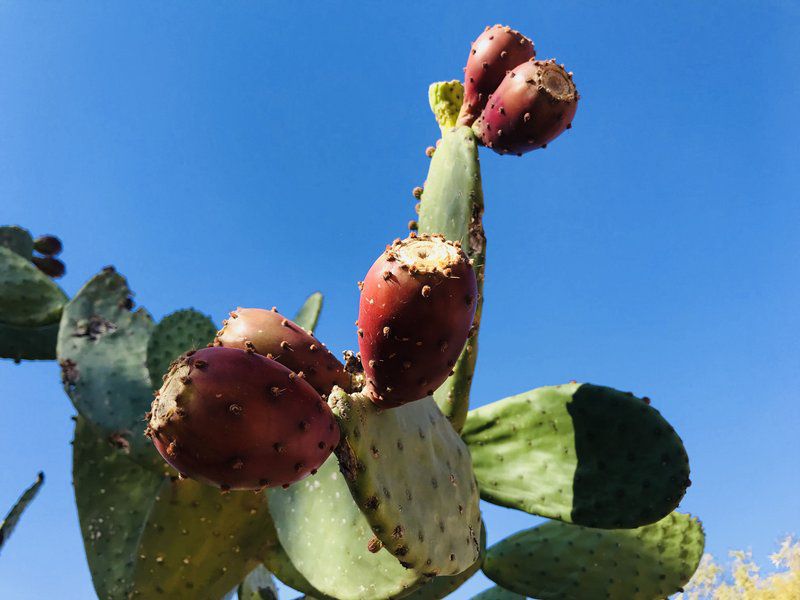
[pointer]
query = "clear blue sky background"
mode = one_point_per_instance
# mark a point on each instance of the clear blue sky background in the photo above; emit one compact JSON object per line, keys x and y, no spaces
{"x":249,"y":153}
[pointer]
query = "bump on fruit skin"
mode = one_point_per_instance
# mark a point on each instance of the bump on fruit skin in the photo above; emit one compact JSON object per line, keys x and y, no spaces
{"x":531,"y":107}
{"x":238,"y":420}
{"x":416,"y":309}
{"x":496,"y":51}
{"x":270,"y":334}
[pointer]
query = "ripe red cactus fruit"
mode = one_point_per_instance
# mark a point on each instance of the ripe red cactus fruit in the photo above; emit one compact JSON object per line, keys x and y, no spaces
{"x":496,"y":51}
{"x":238,"y":420}
{"x":532,"y":106}
{"x":417,"y":304}
{"x":270,"y":334}
{"x":49,"y":245}
{"x":52,"y":267}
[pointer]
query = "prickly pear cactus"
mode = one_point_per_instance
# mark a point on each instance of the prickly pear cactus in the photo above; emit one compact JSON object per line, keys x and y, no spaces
{"x":114,"y":496}
{"x":411,"y":475}
{"x":557,"y":561}
{"x":452,"y":205}
{"x":10,"y":521}
{"x":308,"y":315}
{"x":197,"y":542}
{"x":102,"y":349}
{"x":318,"y":518}
{"x":498,"y":593}
{"x":580,"y":453}
{"x":28,"y":297}
{"x":18,"y":240}
{"x":444,"y":585}
{"x":176,"y":333}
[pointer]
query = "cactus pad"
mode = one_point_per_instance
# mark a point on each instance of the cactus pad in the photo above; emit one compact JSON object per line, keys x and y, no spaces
{"x":579,"y":453}
{"x":452,"y":205}
{"x":114,"y":496}
{"x":102,"y":348}
{"x":556,"y":561}
{"x":176,"y":333}
{"x":10,"y":521}
{"x":411,"y":475}
{"x":28,"y":297}
{"x":444,"y":585}
{"x":198,"y":541}
{"x":445,"y":98}
{"x":308,"y":315}
{"x":498,"y":593}
{"x":317,"y":518}
{"x":28,"y":343}
{"x":17,"y":240}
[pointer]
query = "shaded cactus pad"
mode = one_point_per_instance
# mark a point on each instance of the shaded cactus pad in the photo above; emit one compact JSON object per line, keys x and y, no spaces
{"x":28,"y":297}
{"x":10,"y":521}
{"x":557,"y":561}
{"x":498,"y":593}
{"x":579,"y":453}
{"x":329,"y":541}
{"x":411,"y":475}
{"x":175,"y":334}
{"x":102,"y":349}
{"x":17,"y":239}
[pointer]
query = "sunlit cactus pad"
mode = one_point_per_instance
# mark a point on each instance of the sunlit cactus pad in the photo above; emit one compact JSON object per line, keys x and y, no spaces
{"x":411,"y":475}
{"x":580,"y":453}
{"x":558,"y":561}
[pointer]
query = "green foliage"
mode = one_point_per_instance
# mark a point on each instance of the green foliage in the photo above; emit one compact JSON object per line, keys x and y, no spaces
{"x":308,"y":315}
{"x":557,"y":561}
{"x":452,"y":204}
{"x":580,"y":453}
{"x":326,"y":537}
{"x":177,"y":333}
{"x":10,"y":521}
{"x":411,"y":475}
{"x":102,"y":350}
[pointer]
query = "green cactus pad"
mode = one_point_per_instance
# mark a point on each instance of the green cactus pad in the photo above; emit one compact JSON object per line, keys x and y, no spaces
{"x":258,"y":585}
{"x":444,"y":585}
{"x":579,"y":453}
{"x":17,"y":240}
{"x":452,"y":205}
{"x":10,"y":521}
{"x":28,"y":297}
{"x":281,"y":566}
{"x":556,"y":561}
{"x":28,"y":343}
{"x":446,"y":98}
{"x":316,"y":519}
{"x":102,"y":349}
{"x":114,"y":496}
{"x":411,"y":475}
{"x":498,"y":593}
{"x":175,"y":334}
{"x":308,"y":315}
{"x":198,"y":543}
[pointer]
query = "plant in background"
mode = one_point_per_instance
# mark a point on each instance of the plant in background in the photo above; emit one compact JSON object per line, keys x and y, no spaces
{"x":396,"y":460}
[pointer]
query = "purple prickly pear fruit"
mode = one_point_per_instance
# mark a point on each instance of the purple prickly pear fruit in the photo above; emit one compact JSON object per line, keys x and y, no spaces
{"x":532,"y":106}
{"x":238,"y":420}
{"x":49,"y":245}
{"x":417,"y":304}
{"x":52,"y":267}
{"x":496,"y":51}
{"x":269,"y":333}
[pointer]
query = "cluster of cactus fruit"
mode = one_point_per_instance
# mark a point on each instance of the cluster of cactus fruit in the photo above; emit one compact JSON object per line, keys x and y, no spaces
{"x":368,"y":473}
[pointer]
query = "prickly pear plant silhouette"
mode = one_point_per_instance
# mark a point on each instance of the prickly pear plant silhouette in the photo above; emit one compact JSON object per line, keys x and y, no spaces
{"x":367,"y":474}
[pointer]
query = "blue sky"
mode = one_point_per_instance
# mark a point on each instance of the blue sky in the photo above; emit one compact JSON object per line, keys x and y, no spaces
{"x":242,"y":153}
